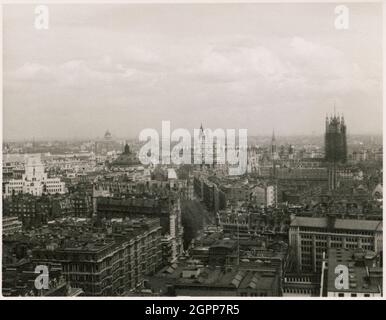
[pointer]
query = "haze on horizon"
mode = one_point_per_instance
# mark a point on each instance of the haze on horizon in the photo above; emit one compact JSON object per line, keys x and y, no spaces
{"x":128,"y":67}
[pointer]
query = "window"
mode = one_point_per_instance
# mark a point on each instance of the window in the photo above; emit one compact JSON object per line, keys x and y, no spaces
{"x":353,"y":294}
{"x":340,"y":294}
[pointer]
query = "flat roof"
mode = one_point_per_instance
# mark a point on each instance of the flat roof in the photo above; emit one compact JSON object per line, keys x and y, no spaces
{"x":358,"y":275}
{"x":347,"y":224}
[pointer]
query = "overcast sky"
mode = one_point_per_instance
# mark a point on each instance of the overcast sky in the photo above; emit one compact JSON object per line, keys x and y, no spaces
{"x":128,"y":67}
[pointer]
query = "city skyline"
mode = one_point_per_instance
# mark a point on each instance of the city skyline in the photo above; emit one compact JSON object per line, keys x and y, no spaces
{"x":132,"y":139}
{"x":128,"y":67}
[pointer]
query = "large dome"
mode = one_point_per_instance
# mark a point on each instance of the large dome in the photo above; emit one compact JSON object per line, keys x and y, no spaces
{"x":108,"y":135}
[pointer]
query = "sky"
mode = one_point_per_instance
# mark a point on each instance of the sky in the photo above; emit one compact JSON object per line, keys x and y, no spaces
{"x":127,"y":67}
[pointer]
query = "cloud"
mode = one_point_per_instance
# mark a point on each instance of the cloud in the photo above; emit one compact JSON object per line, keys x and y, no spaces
{"x":32,"y":72}
{"x":196,"y":79}
{"x":320,"y":62}
{"x":237,"y":64}
{"x":300,"y":68}
{"x":141,"y":56}
{"x":81,"y":74}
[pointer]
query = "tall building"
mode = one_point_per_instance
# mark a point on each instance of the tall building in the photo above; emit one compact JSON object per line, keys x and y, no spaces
{"x":335,"y":140}
{"x":35,"y":180}
{"x":202,"y":144}
{"x":311,"y":237}
{"x":274,"y":153}
{"x":166,"y":208}
{"x":32,"y":211}
{"x":209,"y":149}
{"x":203,"y":149}
{"x":111,"y":264}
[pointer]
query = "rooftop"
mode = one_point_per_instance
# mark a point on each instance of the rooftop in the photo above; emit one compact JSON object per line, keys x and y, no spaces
{"x":345,"y":224}
{"x":363,"y":271}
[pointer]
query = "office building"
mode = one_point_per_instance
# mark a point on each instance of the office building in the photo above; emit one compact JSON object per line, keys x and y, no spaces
{"x":311,"y":237}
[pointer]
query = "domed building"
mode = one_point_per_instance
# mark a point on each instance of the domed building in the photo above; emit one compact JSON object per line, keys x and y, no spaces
{"x":126,"y":160}
{"x":107,"y":144}
{"x":108,"y":135}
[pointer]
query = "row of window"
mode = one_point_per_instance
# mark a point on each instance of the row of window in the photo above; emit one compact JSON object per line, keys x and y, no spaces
{"x":298,"y":291}
{"x":324,"y":231}
{"x":352,"y":295}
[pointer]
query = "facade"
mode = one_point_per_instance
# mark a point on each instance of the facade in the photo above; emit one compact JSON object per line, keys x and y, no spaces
{"x":35,"y":211}
{"x":301,"y":285}
{"x":216,"y":193}
{"x":253,"y":160}
{"x":118,"y":186}
{"x":265,"y":195}
{"x":311,"y":237}
{"x":209,"y":192}
{"x":209,"y":150}
{"x":81,"y":204}
{"x":335,"y":140}
{"x":252,"y":223}
{"x":109,"y":266}
{"x":166,"y":209}
{"x":11,"y":225}
{"x":32,"y":211}
{"x":301,"y":174}
{"x":34,"y":181}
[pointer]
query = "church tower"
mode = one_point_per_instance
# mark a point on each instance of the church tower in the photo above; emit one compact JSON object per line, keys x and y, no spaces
{"x":335,"y":148}
{"x":335,"y":140}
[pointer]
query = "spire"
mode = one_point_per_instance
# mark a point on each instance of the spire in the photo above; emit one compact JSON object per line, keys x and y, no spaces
{"x":202,"y":133}
{"x":273,"y":145}
{"x":126,"y":149}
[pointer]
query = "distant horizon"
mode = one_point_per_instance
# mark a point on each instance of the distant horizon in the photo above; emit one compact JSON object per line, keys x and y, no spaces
{"x":277,"y":136}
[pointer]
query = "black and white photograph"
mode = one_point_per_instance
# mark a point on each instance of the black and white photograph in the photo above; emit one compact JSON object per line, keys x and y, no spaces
{"x":178,"y":150}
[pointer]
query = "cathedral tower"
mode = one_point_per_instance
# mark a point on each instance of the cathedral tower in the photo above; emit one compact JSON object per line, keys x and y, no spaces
{"x":335,"y":140}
